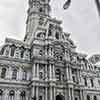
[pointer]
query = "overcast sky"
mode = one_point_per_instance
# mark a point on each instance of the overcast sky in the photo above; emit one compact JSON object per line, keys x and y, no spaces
{"x":81,"y":20}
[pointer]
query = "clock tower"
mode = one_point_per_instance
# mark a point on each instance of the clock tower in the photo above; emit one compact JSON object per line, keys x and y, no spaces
{"x":36,"y":10}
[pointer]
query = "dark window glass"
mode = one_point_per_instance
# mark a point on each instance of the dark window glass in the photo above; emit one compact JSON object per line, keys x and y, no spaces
{"x":95,"y":98}
{"x":40,"y":75}
{"x":3,"y":73}
{"x":57,"y":35}
{"x":88,"y":97}
{"x":13,"y":51}
{"x":85,"y":81}
{"x":23,"y":95}
{"x":76,"y":98}
{"x":92,"y":84}
{"x":40,"y":97}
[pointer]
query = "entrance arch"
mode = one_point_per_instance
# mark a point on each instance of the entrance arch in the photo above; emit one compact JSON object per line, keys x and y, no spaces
{"x":60,"y":97}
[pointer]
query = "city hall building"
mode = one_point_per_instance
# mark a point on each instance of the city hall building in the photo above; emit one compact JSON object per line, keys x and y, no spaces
{"x":46,"y":65}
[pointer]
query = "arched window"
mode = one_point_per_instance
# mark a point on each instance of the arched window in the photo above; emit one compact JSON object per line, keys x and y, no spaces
{"x":95,"y":98}
{"x":1,"y":93}
{"x":11,"y":95}
{"x":3,"y":73}
{"x":14,"y":74}
{"x":23,"y":95}
{"x":88,"y":97}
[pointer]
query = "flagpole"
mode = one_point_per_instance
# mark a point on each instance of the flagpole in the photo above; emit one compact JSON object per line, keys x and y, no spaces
{"x":97,"y":2}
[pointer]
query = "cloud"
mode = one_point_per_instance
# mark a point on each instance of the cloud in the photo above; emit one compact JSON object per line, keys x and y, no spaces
{"x":81,"y":19}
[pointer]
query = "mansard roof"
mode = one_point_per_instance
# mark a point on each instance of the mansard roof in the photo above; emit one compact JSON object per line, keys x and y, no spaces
{"x":16,"y":42}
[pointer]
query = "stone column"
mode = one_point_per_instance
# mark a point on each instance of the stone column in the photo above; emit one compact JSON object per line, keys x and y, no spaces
{"x":49,"y":51}
{"x":54,"y":93}
{"x":33,"y":71}
{"x":37,"y":93}
{"x":52,"y":52}
{"x":5,"y":95}
{"x":46,"y":70}
{"x":46,"y":53}
{"x":70,"y":74}
{"x":20,"y":74}
{"x":81,"y":95}
{"x":46,"y":93}
{"x":53,"y":72}
{"x":10,"y":73}
{"x":9,"y":51}
{"x":72,"y":91}
{"x":50,"y":72}
{"x":17,"y":95}
{"x":27,"y":95}
{"x":51,"y":93}
{"x":67,"y":73}
{"x":37,"y":71}
{"x":69,"y":94}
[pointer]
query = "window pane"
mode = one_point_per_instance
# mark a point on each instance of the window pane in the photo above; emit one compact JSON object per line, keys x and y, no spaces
{"x":3,"y":73}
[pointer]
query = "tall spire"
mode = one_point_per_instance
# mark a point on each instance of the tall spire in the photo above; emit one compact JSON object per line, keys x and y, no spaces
{"x":37,"y":9}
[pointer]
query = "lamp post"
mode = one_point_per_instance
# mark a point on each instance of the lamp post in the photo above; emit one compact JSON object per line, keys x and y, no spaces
{"x":67,"y":4}
{"x":97,"y":2}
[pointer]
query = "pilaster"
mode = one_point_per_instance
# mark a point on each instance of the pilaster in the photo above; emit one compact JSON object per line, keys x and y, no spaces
{"x":50,"y":71}
{"x":69,"y":94}
{"x":20,"y":73}
{"x":33,"y":71}
{"x":5,"y":95}
{"x":37,"y":93}
{"x":51,"y":95}
{"x":46,"y":93}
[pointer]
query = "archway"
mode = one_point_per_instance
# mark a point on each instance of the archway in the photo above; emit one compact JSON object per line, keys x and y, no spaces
{"x":59,"y":97}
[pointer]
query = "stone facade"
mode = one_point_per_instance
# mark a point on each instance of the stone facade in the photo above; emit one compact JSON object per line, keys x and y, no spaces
{"x":46,"y":65}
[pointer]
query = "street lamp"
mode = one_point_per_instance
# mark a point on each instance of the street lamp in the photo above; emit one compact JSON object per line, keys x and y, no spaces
{"x":67,"y":4}
{"x":97,"y":2}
